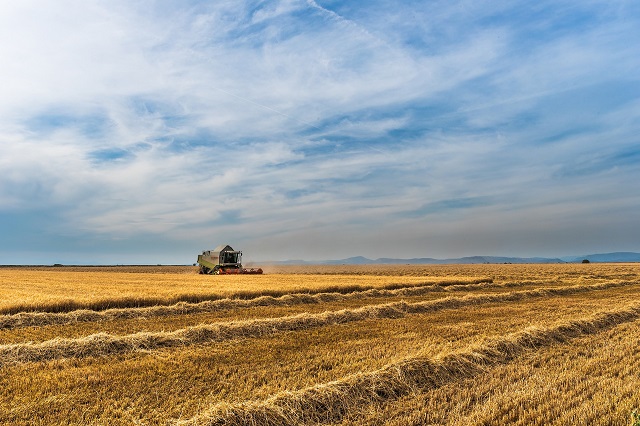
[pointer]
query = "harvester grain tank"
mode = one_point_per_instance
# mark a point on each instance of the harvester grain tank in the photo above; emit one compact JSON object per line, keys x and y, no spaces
{"x":223,"y":260}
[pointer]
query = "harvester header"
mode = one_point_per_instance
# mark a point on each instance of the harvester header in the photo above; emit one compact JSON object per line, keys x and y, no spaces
{"x":223,"y":260}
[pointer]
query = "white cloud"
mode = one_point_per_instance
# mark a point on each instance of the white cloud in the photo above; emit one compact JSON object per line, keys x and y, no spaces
{"x":189,"y":121}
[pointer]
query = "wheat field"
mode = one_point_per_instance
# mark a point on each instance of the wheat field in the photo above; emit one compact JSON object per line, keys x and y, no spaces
{"x":335,"y":345}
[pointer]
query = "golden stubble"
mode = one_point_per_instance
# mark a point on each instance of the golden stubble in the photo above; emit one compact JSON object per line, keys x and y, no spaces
{"x":190,"y":381}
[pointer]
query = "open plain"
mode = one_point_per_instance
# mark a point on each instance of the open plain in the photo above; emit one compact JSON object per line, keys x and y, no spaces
{"x":340,"y":345}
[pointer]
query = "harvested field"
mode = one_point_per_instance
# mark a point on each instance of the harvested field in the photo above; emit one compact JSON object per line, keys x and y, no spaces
{"x":59,"y":290}
{"x":463,"y":344}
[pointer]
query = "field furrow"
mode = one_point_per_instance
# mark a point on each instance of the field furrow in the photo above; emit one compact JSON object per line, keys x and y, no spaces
{"x":30,"y":319}
{"x":105,"y":344}
{"x":593,"y":381}
{"x":330,"y":402}
{"x":39,"y":291}
{"x":340,"y":345}
{"x":42,"y":318}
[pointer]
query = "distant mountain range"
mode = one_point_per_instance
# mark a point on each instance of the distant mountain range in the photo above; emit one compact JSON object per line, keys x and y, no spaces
{"x":359,"y":260}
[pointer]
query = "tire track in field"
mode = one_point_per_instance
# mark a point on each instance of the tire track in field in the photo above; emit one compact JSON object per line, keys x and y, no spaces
{"x":330,"y":402}
{"x":103,"y":344}
{"x":39,"y":319}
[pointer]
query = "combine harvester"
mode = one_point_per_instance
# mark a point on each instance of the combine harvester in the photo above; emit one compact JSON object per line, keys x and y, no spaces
{"x":223,"y":260}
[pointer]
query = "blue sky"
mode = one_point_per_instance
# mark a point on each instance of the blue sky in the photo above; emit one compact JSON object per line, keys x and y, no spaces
{"x":145,"y":132}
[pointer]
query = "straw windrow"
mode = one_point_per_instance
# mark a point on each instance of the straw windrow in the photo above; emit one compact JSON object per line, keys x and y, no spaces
{"x":332,"y":401}
{"x":103,"y":344}
{"x":110,"y":303}
{"x":30,"y":319}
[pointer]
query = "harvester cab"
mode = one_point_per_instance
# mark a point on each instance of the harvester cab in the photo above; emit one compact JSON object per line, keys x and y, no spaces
{"x":223,"y":260}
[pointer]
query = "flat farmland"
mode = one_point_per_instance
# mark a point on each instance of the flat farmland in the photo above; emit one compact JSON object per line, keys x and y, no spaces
{"x":338,"y":345}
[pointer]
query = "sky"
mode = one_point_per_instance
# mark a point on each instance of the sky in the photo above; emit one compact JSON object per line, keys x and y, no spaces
{"x":145,"y":132}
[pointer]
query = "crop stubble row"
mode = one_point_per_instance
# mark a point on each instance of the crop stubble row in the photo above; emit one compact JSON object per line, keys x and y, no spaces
{"x":480,"y":324}
{"x":332,"y":401}
{"x":256,"y":376}
{"x":43,"y":291}
{"x":105,"y":344}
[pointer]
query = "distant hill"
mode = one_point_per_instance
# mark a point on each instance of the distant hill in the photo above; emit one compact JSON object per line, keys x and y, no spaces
{"x":360,"y":260}
{"x":621,"y":256}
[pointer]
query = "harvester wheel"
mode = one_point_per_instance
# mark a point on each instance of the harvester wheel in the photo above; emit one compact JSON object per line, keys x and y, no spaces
{"x":216,"y":270}
{"x":204,"y":270}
